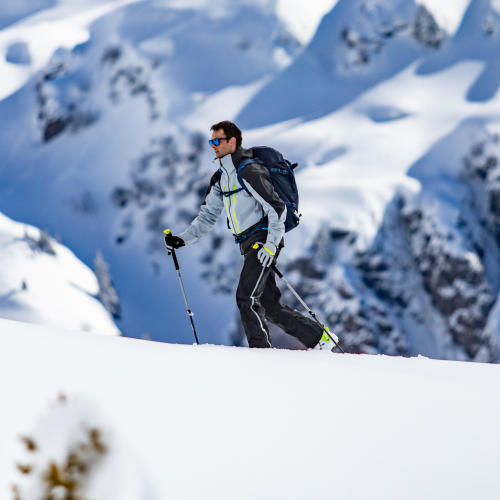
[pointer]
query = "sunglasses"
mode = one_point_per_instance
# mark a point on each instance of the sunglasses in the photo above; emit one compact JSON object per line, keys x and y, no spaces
{"x":216,"y":142}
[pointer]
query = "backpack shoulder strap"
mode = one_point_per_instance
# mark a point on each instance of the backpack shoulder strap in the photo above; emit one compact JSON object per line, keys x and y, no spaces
{"x":215,"y":179}
{"x":241,"y":166}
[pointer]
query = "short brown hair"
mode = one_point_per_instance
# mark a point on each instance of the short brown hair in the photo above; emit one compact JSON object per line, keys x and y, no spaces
{"x":230,"y":130}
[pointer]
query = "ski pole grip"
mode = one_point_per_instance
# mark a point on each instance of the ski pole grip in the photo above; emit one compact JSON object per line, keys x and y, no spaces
{"x":256,"y":246}
{"x":172,"y":250}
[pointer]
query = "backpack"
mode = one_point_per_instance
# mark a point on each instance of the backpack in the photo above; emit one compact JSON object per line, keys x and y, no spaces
{"x":282,"y":178}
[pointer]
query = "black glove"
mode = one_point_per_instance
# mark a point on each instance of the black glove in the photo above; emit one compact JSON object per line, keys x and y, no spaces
{"x":173,"y":241}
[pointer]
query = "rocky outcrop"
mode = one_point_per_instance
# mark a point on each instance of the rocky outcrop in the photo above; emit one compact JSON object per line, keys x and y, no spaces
{"x":431,"y":273}
{"x":377,"y":23}
{"x":67,"y":94}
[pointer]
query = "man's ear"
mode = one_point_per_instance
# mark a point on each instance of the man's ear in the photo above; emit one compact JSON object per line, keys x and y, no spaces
{"x":232,"y":141}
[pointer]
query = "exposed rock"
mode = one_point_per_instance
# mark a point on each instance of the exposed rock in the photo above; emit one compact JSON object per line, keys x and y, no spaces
{"x":426,"y":30}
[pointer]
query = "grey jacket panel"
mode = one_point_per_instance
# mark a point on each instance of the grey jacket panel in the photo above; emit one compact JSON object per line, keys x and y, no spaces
{"x":243,"y":210}
{"x":208,"y":214}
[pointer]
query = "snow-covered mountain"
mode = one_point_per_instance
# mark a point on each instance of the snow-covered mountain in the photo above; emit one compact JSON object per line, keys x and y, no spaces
{"x":390,"y":107}
{"x":43,"y":282}
{"x":104,"y":417}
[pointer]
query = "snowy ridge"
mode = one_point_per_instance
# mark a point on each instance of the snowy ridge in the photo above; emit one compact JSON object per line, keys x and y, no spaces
{"x":43,"y":282}
{"x":410,"y":428}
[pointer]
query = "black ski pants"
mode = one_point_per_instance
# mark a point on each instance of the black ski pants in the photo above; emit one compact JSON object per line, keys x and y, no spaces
{"x":258,"y":299}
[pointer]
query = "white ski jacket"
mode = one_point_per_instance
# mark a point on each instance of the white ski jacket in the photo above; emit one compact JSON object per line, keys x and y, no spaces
{"x":244,"y":211}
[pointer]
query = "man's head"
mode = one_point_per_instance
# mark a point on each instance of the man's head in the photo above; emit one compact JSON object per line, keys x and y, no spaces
{"x":229,"y":136}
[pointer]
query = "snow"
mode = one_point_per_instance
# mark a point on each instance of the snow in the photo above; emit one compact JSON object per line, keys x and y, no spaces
{"x":47,"y":285}
{"x":225,"y":422}
{"x":303,"y":18}
{"x":13,"y":10}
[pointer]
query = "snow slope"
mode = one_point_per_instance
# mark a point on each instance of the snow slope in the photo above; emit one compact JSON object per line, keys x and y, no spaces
{"x":43,"y":282}
{"x":107,"y":142}
{"x":219,"y":423}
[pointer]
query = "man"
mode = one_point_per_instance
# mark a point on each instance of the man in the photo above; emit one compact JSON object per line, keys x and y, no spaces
{"x":257,"y":296}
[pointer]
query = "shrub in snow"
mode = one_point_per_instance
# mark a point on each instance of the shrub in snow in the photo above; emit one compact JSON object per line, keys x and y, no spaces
{"x":60,"y":469}
{"x":72,"y":454}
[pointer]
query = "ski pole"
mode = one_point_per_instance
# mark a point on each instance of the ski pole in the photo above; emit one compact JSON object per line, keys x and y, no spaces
{"x":171,"y":251}
{"x":332,"y":335}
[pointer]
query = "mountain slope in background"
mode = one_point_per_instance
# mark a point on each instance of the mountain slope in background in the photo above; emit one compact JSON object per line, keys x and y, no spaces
{"x":384,"y":109}
{"x":12,"y":10}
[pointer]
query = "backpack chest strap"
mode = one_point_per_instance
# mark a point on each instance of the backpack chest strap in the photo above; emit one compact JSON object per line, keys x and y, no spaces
{"x":230,"y":193}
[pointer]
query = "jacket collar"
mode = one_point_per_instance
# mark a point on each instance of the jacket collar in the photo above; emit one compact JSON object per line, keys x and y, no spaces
{"x":234,"y":159}
{"x":241,"y":153}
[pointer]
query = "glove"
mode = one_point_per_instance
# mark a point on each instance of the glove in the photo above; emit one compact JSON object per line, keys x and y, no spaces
{"x":266,"y":254}
{"x":173,"y":241}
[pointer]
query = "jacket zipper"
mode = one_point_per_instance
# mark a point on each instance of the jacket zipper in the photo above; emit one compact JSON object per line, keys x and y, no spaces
{"x":228,"y":209}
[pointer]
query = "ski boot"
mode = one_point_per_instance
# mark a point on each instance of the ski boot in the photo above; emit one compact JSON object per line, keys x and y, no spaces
{"x":328,"y":341}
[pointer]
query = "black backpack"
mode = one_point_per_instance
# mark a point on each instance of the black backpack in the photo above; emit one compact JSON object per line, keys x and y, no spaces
{"x":282,"y":178}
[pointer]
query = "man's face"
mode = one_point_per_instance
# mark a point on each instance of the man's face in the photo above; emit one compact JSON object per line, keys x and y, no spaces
{"x":225,"y":146}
